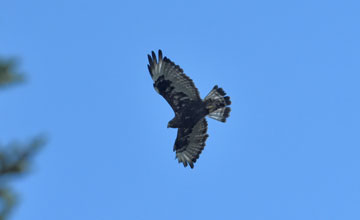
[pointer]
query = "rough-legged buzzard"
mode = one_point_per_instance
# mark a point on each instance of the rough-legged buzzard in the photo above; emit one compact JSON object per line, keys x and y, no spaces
{"x":190,"y":110}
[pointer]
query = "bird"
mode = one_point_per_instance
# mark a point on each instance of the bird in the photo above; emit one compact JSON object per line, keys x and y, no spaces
{"x":190,"y":110}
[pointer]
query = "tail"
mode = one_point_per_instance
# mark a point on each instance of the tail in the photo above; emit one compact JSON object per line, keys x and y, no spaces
{"x":216,"y":103}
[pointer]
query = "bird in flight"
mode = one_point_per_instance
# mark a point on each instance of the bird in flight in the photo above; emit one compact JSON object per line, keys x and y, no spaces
{"x":190,"y":110}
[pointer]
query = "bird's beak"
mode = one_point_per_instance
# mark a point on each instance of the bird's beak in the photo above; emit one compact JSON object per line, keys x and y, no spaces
{"x":168,"y":126}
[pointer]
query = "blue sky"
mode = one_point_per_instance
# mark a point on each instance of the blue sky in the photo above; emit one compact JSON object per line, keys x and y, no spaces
{"x":290,"y":149}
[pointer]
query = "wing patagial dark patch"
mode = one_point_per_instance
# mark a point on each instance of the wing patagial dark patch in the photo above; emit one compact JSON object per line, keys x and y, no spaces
{"x":163,"y":86}
{"x":183,"y":79}
{"x":176,"y":100}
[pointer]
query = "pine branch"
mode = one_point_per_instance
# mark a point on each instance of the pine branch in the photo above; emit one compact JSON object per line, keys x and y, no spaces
{"x":15,"y":161}
{"x":8,"y":74}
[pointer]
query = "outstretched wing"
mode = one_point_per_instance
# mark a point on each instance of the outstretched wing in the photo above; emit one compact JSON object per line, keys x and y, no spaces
{"x":171,"y":82}
{"x":190,"y":142}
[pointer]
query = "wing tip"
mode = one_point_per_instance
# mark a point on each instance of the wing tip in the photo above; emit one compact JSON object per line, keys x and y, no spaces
{"x":150,"y":59}
{"x":191,"y":165}
{"x":154,"y":57}
{"x":153,"y":61}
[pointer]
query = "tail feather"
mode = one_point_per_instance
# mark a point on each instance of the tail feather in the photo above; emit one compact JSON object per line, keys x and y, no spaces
{"x":221,"y":114}
{"x":216,"y":103}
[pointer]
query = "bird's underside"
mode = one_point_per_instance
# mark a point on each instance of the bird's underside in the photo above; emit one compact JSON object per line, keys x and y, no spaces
{"x":190,"y":110}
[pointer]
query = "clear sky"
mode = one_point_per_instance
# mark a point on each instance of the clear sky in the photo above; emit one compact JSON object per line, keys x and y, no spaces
{"x":290,"y":149}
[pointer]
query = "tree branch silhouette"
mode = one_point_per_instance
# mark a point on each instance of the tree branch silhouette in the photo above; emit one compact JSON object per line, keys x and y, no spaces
{"x":8,"y":74}
{"x":15,"y":158}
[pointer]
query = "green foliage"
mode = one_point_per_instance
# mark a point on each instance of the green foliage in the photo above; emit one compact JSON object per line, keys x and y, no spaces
{"x":8,"y":73}
{"x":15,"y":158}
{"x":14,"y":161}
{"x":8,"y":202}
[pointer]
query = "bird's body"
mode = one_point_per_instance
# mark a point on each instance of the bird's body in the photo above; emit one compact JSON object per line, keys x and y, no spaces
{"x":190,"y":115}
{"x":190,"y":110}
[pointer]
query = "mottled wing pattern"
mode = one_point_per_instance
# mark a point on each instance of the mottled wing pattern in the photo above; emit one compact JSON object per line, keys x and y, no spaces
{"x":171,"y":82}
{"x":190,"y":142}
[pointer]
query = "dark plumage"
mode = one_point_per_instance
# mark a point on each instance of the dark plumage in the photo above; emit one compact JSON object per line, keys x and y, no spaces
{"x":190,"y":110}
